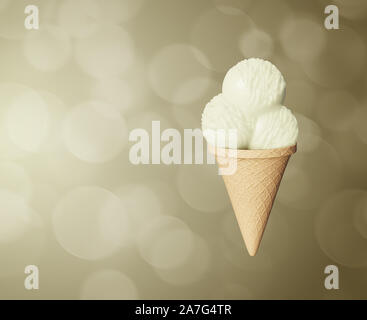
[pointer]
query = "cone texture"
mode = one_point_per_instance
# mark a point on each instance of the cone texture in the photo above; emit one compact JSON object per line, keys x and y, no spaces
{"x":253,"y":187}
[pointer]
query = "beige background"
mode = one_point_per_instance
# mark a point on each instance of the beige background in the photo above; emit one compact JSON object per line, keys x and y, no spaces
{"x":99,"y":227}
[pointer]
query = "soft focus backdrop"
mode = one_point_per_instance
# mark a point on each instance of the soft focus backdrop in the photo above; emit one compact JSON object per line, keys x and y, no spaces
{"x":99,"y":227}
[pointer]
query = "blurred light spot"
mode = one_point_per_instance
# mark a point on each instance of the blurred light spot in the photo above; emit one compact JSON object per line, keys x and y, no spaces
{"x":127,"y":93}
{"x":15,"y":214}
{"x":335,"y":231}
{"x":359,"y":123}
{"x":15,"y":179}
{"x":338,"y":64}
{"x":117,"y":11}
{"x":302,"y":39}
{"x":78,"y":222}
{"x":115,"y":91}
{"x":44,"y":198}
{"x":143,"y":120}
{"x":335,"y":110}
{"x":270,"y":15}
{"x":109,"y":285}
{"x":289,"y":68}
{"x":63,"y":169}
{"x":311,"y":177}
{"x":229,"y":10}
{"x":80,"y":18}
{"x":76,"y":17}
{"x":300,"y":96}
{"x":168,"y":196}
{"x":256,"y":43}
{"x":27,"y":121}
{"x":296,"y":184}
{"x":9,"y":92}
{"x":57,"y":111}
{"x":216,"y":34}
{"x":176,"y":75}
{"x":191,"y":117}
{"x":115,"y":225}
{"x":352,"y":153}
{"x":309,"y":136}
{"x":49,"y":9}
{"x":107,"y":52}
{"x":360,"y":217}
{"x":48,"y":48}
{"x":23,"y":234}
{"x":141,"y":204}
{"x":352,"y":9}
{"x":190,"y":90}
{"x":195,"y":268}
{"x":95,"y":132}
{"x":202,"y":188}
{"x":12,"y":19}
{"x":186,"y":118}
{"x":234,"y":7}
{"x":165,"y":242}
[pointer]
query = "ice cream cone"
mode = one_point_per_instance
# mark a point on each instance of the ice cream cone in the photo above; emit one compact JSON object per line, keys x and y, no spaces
{"x":253,"y":186}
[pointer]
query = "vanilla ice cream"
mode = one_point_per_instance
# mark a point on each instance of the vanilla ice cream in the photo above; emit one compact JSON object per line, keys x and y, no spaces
{"x":251,"y":104}
{"x":274,"y":129}
{"x":219,"y":117}
{"x":253,"y":85}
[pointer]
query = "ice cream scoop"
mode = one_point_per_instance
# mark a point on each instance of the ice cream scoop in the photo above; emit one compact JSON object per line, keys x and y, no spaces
{"x":276,"y":128}
{"x":251,"y":104}
{"x":219,"y":117}
{"x":253,"y":85}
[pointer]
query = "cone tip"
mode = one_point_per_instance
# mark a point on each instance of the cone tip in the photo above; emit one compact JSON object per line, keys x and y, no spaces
{"x":252,"y":252}
{"x":252,"y":248}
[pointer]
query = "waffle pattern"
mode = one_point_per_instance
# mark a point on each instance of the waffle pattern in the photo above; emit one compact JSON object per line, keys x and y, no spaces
{"x":252,"y":190}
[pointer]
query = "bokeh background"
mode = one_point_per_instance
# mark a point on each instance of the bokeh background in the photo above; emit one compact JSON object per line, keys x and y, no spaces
{"x":100,"y":227}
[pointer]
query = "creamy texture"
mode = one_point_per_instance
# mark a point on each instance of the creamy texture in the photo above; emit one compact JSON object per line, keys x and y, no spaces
{"x":275,"y":129}
{"x":251,"y":104}
{"x":220,"y":116}
{"x":253,"y":85}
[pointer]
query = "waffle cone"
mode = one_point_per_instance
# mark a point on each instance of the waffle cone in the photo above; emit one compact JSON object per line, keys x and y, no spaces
{"x":253,"y":186}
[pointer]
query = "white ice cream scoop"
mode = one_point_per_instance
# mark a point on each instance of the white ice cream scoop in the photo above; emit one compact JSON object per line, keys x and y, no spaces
{"x":253,"y":85}
{"x":276,"y":128}
{"x":251,"y":103}
{"x":219,"y":117}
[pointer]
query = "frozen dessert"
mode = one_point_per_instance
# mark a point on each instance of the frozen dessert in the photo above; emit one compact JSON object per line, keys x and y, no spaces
{"x":220,"y":116}
{"x":275,"y":128}
{"x":251,"y":105}
{"x":253,"y":85}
